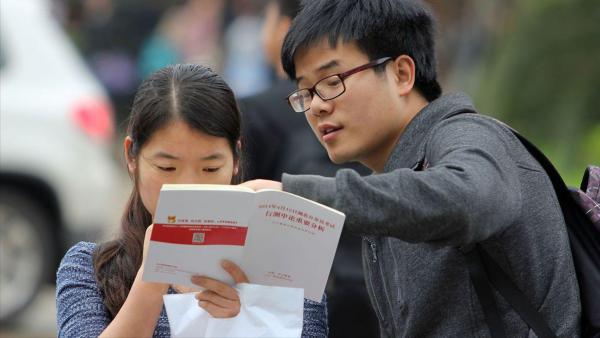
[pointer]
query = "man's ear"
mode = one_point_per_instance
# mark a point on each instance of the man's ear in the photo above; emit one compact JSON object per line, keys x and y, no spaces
{"x":131,"y":165}
{"x":404,"y":74}
{"x":236,"y":165}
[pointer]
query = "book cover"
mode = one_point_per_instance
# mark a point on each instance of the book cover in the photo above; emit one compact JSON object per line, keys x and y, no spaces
{"x":277,"y":238}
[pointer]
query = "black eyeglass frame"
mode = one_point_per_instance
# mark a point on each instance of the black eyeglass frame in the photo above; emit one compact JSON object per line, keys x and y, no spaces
{"x":342,"y":76}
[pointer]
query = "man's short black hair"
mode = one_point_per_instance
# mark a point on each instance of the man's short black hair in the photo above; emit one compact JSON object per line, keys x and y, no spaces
{"x":380,"y":28}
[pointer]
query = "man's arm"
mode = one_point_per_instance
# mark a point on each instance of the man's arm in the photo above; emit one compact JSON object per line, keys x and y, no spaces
{"x":471,"y":191}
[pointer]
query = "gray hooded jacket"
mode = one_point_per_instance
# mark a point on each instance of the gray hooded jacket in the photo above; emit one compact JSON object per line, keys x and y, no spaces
{"x":479,"y":185}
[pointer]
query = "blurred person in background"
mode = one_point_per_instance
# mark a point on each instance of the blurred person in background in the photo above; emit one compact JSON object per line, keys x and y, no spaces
{"x":190,"y":32}
{"x":246,"y":70}
{"x":110,"y":34}
{"x":184,"y":128}
{"x":280,"y":141}
{"x":125,"y":41}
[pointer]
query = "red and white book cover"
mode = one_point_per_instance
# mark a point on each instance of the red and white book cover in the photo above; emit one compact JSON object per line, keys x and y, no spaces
{"x":277,"y":238}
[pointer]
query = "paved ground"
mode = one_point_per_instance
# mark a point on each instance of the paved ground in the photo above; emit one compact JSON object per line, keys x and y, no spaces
{"x":38,"y":321}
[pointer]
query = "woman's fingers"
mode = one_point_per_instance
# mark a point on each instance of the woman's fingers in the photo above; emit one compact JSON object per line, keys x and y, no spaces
{"x":218,"y":300}
{"x":217,"y":311}
{"x":217,"y":287}
{"x":238,"y":275}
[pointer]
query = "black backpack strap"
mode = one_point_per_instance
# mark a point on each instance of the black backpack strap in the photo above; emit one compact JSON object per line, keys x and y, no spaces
{"x":480,"y":263}
{"x":479,"y":278}
{"x":515,"y":297}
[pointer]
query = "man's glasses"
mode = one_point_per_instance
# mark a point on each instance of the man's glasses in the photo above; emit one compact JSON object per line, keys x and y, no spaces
{"x":328,"y":88}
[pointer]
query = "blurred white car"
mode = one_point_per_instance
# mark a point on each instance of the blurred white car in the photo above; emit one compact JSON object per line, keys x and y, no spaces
{"x":57,"y":177}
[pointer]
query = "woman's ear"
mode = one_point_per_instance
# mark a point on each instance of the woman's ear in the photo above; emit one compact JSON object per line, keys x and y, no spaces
{"x":130,"y":162}
{"x":238,"y":151}
{"x":404,"y":74}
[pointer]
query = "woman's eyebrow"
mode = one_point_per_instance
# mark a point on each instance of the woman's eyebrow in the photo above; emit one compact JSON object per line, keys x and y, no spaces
{"x":215,"y":156}
{"x":162,"y":154}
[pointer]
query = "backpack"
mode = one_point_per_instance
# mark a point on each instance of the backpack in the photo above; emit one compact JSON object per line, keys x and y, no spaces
{"x":581,"y":211}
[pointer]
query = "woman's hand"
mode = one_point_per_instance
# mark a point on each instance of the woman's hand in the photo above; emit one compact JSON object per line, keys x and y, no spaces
{"x":140,"y":312}
{"x":163,"y":286}
{"x":220,"y":299}
{"x":146,"y":243}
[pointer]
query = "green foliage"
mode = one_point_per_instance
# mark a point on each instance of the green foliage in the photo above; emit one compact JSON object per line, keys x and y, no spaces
{"x":543,"y":79}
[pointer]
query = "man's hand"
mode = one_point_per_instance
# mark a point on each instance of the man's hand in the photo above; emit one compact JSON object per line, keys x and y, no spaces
{"x":257,"y":185}
{"x":220,"y":299}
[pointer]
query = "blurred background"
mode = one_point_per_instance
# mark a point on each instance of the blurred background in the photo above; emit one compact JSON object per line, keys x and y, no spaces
{"x":69,"y":70}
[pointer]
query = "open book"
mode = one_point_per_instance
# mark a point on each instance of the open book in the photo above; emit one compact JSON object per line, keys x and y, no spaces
{"x":277,"y":238}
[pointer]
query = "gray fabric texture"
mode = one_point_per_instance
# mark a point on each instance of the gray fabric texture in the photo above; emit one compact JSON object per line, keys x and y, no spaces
{"x":479,"y":185}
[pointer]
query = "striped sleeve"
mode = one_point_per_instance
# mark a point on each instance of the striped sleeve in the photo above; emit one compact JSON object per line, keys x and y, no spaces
{"x":315,"y":319}
{"x":80,"y":308}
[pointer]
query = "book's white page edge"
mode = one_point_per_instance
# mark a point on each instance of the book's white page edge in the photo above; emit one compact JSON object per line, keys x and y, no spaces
{"x":206,"y":187}
{"x":306,"y":199}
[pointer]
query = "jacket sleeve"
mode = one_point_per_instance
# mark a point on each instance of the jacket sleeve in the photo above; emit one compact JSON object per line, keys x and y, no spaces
{"x":315,"y":319}
{"x":470,"y":192}
{"x":80,"y":308}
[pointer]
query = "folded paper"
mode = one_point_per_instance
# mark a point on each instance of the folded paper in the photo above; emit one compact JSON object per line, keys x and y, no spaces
{"x":266,"y":311}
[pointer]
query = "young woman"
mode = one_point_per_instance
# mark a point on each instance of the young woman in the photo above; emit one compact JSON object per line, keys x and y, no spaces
{"x":185,"y":127}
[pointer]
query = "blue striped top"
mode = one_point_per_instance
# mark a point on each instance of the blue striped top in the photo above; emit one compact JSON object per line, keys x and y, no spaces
{"x":82,"y":313}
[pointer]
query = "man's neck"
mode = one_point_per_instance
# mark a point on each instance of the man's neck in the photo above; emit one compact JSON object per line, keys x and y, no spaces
{"x":415,"y":103}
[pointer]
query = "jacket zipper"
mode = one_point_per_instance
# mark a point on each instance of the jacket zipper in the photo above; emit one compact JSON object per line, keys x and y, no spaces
{"x":371,"y":242}
{"x":373,"y":247}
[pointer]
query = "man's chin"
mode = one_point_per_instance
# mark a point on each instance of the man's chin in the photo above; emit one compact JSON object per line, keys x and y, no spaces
{"x":338,"y":158}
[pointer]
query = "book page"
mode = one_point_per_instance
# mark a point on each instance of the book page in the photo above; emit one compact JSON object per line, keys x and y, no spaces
{"x":291,"y":242}
{"x":211,"y":187}
{"x":194,"y":229}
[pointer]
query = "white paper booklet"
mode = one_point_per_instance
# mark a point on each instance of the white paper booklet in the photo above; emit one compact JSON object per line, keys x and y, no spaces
{"x":277,"y":238}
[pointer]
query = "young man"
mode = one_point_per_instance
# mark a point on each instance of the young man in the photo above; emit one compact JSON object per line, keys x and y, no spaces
{"x":278,"y":141}
{"x":441,"y":179}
